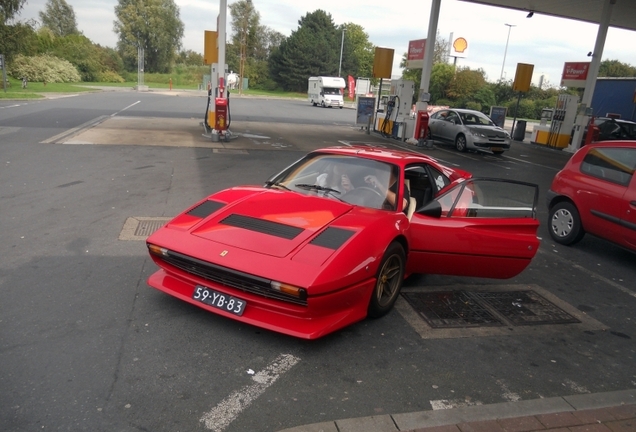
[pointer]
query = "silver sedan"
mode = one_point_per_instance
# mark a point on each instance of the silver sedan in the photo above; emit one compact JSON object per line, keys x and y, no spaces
{"x":467,"y":129}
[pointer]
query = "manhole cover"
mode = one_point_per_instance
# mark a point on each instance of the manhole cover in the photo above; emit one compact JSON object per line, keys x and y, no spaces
{"x":525,"y":308}
{"x":464,"y":309}
{"x":451,"y":309}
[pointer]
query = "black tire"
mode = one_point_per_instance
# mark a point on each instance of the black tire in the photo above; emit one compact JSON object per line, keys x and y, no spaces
{"x":322,"y":104}
{"x":460,"y":143}
{"x":564,"y":223}
{"x":388,"y":282}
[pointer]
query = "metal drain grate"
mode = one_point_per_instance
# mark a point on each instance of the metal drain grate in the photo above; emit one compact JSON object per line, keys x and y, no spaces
{"x":463,"y":309}
{"x":526,"y":308}
{"x":139,"y":228}
{"x":147,"y":227}
{"x":451,"y":309}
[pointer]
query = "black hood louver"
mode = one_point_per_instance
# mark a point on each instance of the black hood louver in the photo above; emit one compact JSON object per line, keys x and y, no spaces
{"x":332,"y":238}
{"x":205,"y":209}
{"x":262,"y":226}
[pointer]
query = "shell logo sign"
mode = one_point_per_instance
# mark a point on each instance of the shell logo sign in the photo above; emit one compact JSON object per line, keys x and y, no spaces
{"x":459,"y":47}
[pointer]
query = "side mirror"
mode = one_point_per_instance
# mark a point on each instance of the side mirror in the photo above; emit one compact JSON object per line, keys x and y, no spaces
{"x":432,"y":209}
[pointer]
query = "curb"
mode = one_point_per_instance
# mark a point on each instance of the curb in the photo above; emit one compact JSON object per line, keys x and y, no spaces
{"x":505,"y":410}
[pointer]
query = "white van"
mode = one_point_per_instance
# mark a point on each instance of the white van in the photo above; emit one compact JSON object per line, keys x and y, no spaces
{"x":326,"y":91}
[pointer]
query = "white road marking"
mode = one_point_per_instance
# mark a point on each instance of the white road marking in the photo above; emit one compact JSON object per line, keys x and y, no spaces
{"x":229,"y":409}
{"x":124,"y":109}
{"x":442,"y":404}
{"x":507,"y":394}
{"x":574,"y":386}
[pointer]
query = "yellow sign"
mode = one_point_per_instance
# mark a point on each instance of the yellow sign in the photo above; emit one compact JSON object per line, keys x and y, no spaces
{"x":523,"y":77}
{"x":210,"y":47}
{"x":382,"y":62}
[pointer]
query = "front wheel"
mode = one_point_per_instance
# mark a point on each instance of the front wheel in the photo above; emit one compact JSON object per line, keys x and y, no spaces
{"x":564,"y":223}
{"x":460,"y":143}
{"x":389,"y":281}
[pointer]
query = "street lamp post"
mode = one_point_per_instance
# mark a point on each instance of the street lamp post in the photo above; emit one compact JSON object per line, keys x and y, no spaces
{"x":510,"y":26}
{"x":341,"y":46}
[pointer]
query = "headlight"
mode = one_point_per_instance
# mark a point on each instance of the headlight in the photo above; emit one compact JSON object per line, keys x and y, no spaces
{"x":479,"y":134}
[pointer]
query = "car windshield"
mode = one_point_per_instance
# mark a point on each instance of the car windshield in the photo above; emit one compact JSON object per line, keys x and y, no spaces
{"x":331,"y":91}
{"x":345,"y":178}
{"x":476,"y":118}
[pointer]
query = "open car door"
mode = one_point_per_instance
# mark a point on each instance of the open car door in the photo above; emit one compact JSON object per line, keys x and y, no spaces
{"x":480,"y":228}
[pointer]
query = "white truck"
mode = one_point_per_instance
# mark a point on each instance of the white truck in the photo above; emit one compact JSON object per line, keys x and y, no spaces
{"x":326,"y":91}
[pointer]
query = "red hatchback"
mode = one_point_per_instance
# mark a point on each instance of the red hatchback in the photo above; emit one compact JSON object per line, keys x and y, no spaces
{"x":596,"y":193}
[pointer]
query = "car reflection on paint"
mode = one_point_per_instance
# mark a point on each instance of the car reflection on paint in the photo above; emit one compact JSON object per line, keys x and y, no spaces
{"x":307,"y":254}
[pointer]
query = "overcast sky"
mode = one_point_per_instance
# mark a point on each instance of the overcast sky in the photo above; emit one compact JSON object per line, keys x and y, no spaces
{"x":543,"y":41}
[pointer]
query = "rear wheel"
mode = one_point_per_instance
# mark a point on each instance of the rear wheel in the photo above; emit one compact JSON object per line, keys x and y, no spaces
{"x":389,"y":281}
{"x":564,"y":223}
{"x":460,"y":143}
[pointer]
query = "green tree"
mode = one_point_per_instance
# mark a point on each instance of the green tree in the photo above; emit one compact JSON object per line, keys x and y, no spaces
{"x":190,"y":58}
{"x":614,"y":68}
{"x":245,"y":23}
{"x":9,"y":8}
{"x":311,"y":50}
{"x":152,"y":24}
{"x":466,"y":83}
{"x":441,"y":76}
{"x":357,"y":51}
{"x":59,"y":17}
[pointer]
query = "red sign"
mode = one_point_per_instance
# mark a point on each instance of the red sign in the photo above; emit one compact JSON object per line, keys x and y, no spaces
{"x":352,"y":86}
{"x":415,"y":54}
{"x":575,"y":74}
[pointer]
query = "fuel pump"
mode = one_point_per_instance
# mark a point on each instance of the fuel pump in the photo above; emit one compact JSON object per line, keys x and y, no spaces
{"x":218,"y":117}
{"x":421,"y":130}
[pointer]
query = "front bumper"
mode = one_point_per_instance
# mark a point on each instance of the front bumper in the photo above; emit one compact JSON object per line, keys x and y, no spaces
{"x":323,"y":314}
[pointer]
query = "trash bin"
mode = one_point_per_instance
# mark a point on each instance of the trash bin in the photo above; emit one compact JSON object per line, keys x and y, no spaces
{"x":520,"y":131}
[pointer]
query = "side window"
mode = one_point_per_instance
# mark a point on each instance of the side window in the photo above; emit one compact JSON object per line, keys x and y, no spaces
{"x":486,"y":198}
{"x":438,"y":180}
{"x":615,"y":165}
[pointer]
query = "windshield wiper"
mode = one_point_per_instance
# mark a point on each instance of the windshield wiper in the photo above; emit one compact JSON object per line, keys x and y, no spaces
{"x":280,"y":185}
{"x":316,"y":187}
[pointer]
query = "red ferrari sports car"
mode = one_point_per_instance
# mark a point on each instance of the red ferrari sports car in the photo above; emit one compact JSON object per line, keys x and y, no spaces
{"x":329,"y":240}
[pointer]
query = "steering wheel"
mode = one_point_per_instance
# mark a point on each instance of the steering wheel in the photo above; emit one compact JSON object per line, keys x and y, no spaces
{"x":365,"y":196}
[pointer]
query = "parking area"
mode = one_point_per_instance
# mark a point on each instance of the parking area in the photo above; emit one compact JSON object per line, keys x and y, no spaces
{"x":85,"y":344}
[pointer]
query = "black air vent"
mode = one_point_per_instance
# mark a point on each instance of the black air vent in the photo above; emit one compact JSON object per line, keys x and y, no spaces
{"x":332,"y":238}
{"x":205,"y":209}
{"x":259,"y":225}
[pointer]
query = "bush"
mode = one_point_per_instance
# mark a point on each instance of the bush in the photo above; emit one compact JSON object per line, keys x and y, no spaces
{"x":110,"y":77}
{"x":43,"y":68}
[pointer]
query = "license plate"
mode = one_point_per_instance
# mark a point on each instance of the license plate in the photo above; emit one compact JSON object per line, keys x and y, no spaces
{"x":219,"y":300}
{"x":496,"y":148}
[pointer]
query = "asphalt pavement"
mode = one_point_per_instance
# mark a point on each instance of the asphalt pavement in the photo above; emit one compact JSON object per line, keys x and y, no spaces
{"x":86,"y":345}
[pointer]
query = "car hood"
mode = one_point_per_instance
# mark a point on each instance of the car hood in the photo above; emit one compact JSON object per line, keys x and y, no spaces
{"x":493,"y":131}
{"x":270,"y":222}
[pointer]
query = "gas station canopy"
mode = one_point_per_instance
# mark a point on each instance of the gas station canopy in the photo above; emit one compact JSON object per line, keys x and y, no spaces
{"x":623,"y":14}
